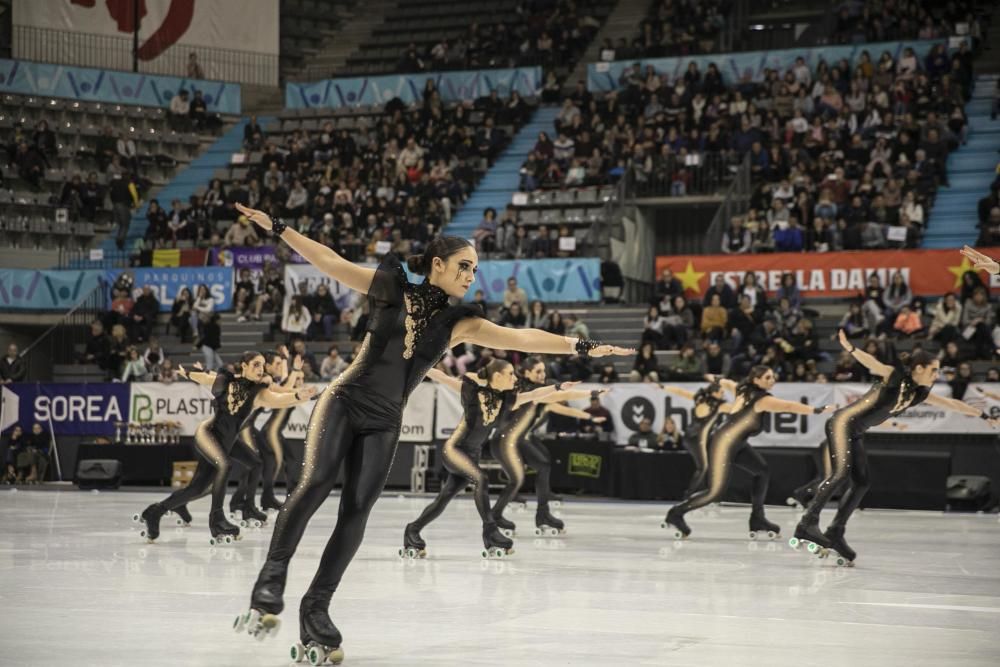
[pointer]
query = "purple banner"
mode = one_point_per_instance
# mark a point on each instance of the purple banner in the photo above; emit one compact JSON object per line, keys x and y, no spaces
{"x":66,"y":409}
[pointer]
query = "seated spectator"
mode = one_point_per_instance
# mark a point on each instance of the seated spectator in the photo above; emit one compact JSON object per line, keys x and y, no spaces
{"x":789,"y":289}
{"x":669,"y":438}
{"x":714,"y":319}
{"x":687,"y":367}
{"x":646,"y":367}
{"x":514,"y":294}
{"x":897,"y":295}
{"x":142,"y":317}
{"x":211,"y":341}
{"x":598,"y":411}
{"x":556,"y":324}
{"x":645,"y":438}
{"x":667,"y":287}
{"x":543,"y":246}
{"x":30,"y":165}
{"x":947,"y":316}
{"x":716,"y":361}
{"x":44,"y":141}
{"x":324,"y":312}
{"x":154,"y":354}
{"x":608,"y":374}
{"x":652,"y":331}
{"x":299,"y":350}
{"x":333,"y":364}
{"x":243,"y":295}
{"x":33,"y":457}
{"x":978,"y":320}
{"x":241,"y":233}
{"x":538,"y":318}
{"x":16,"y":443}
{"x":514,"y":317}
{"x":726,"y":294}
{"x":574,"y":327}
{"x":201,"y":310}
{"x":119,"y":349}
{"x":679,"y":323}
{"x":135,"y":366}
{"x":853,"y":322}
{"x":736,"y":240}
{"x":908,"y":322}
{"x":179,"y":112}
{"x":12,"y":367}
{"x":295,"y":323}
{"x":951,"y":356}
{"x":98,"y":348}
{"x":272,"y":295}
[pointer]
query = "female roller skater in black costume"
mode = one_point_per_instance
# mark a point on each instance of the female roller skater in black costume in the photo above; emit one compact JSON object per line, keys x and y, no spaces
{"x":709,"y":405}
{"x":895,"y":391}
{"x":357,"y":419}
{"x":517,"y":444}
{"x":235,"y":398}
{"x":488,"y":399}
{"x":728,"y":446}
{"x":268,"y":450}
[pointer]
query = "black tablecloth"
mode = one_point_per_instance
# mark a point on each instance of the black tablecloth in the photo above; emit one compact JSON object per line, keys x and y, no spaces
{"x":141,"y":463}
{"x":580,"y":465}
{"x":644,"y":475}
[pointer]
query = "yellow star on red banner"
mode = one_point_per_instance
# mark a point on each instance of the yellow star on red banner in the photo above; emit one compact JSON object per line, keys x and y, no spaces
{"x":691,"y":279}
{"x":959,"y":271}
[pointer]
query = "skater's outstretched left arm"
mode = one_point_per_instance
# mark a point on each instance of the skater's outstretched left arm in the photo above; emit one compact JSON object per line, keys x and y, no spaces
{"x":875,"y":366}
{"x":481,"y":332}
{"x":773,"y":404}
{"x":578,"y":395}
{"x":539,"y":395}
{"x":271,"y":399}
{"x":981,"y":262}
{"x":988,"y":394}
{"x":961,"y":408}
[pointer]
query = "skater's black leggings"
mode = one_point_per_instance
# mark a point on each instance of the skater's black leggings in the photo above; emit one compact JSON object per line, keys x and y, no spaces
{"x":273,"y":455}
{"x":850,"y":469}
{"x":248,"y":440}
{"x":535,"y":454}
{"x":463,"y":469}
{"x":505,"y":450}
{"x":212,"y":471}
{"x":825,"y":469}
{"x":696,"y":445}
{"x":722,"y":456}
{"x":340,"y":433}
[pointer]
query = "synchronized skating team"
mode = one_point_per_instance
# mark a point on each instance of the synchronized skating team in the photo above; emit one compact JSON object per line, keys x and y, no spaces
{"x":356,"y":421}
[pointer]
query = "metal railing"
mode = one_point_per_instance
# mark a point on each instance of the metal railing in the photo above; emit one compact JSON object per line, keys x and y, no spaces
{"x":57,"y":345}
{"x":736,"y":201}
{"x":81,"y":259}
{"x":679,"y":176}
{"x":107,"y":52}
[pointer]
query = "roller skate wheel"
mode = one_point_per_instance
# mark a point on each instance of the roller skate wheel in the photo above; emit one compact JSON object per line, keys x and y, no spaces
{"x":412,"y":553}
{"x":142,"y":533}
{"x":297,"y":653}
{"x":136,"y":518}
{"x":772,"y":535}
{"x":556,"y":503}
{"x":401,"y":552}
{"x":212,"y":541}
{"x":753,"y":535}
{"x":180,"y":522}
{"x":507,"y":532}
{"x":228,"y":539}
{"x":240,"y":622}
{"x":812,"y":547}
{"x":243,"y":523}
{"x":538,"y":532}
{"x":316,"y":657}
{"x":794,"y":543}
{"x":678,"y":535}
{"x":790,"y":502}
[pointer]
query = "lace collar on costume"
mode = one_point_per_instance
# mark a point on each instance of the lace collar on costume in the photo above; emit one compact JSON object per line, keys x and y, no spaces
{"x":490,"y":402}
{"x":907,"y":394}
{"x":421,"y":302}
{"x":237,"y":393}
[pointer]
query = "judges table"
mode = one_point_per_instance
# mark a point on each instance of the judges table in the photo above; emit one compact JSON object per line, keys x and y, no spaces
{"x":141,"y":464}
{"x":581,"y":463}
{"x":650,"y":475}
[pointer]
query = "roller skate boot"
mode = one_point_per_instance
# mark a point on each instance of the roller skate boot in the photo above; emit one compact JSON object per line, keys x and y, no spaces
{"x":269,"y":502}
{"x":183,"y":516}
{"x":506,"y":526}
{"x":675,"y":520}
{"x":222,"y":531}
{"x":266,"y":602}
{"x":252,"y":517}
{"x":150,"y":520}
{"x":807,"y":534}
{"x":495,"y":545}
{"x":413,"y":545}
{"x":547,"y":525}
{"x":760,"y":526}
{"x":845,"y":554}
{"x":319,"y":639}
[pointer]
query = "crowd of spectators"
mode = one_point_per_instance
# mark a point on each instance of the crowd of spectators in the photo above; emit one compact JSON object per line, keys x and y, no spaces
{"x":842,"y":156}
{"x":989,"y":213}
{"x":879,"y":21}
{"x":673,"y":28}
{"x":385,"y":186}
{"x":25,"y":455}
{"x":540,"y":32}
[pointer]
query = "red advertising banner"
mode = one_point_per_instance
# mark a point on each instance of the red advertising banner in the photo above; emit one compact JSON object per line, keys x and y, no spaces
{"x":828,"y":274}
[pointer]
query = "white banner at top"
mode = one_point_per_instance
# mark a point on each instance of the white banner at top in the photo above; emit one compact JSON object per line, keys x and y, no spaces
{"x":238,"y":25}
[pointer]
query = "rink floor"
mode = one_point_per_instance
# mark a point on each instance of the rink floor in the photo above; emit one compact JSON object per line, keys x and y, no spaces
{"x":79,"y":587}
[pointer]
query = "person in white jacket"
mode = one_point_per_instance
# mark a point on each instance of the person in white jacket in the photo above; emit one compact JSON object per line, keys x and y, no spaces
{"x":296,"y":320}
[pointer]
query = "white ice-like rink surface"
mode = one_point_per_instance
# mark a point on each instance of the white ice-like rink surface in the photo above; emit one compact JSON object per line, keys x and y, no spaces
{"x":79,"y":587}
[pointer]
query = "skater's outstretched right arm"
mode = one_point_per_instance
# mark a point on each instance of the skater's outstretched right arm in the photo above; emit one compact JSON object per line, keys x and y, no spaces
{"x":566,"y":411}
{"x":725,"y":383}
{"x":442,"y":378}
{"x":677,"y":391}
{"x":868,"y":361}
{"x":773,"y":404}
{"x":201,"y":377}
{"x":988,"y":394}
{"x":356,"y":277}
{"x":270,"y":399}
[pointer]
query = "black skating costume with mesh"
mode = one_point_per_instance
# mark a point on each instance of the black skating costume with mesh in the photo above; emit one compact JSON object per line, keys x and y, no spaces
{"x":485,"y":412}
{"x":356,"y":424}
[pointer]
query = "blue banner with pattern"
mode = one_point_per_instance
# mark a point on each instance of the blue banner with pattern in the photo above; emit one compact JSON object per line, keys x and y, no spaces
{"x":98,"y":85}
{"x":168,"y":282}
{"x":377,"y":90}
{"x":547,"y":280}
{"x":24,"y":289}
{"x":734,"y":67}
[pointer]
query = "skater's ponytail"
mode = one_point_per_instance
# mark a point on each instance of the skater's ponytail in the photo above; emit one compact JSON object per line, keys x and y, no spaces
{"x":441,"y":247}
{"x":918,"y":358}
{"x":708,"y":392}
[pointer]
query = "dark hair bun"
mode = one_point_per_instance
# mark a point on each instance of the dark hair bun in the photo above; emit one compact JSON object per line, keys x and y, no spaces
{"x":484,"y":372}
{"x":417,"y":264}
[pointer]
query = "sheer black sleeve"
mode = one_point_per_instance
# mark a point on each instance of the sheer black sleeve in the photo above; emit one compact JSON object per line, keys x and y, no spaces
{"x":222,"y":380}
{"x":389,"y":283}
